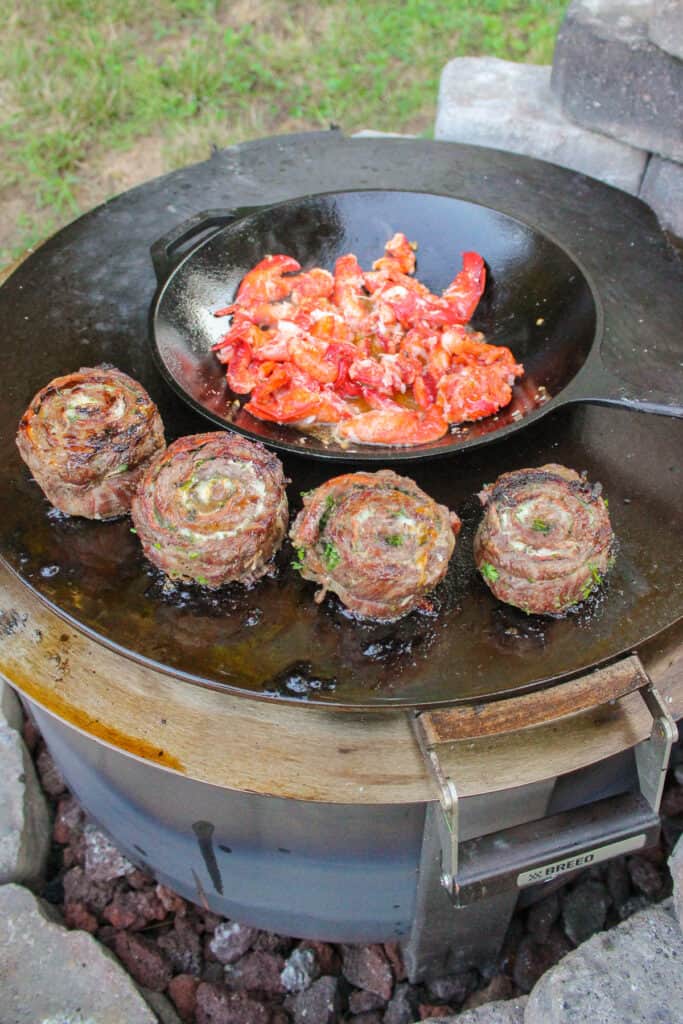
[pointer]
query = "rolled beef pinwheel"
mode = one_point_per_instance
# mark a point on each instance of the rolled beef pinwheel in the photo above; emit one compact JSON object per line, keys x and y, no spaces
{"x":212,"y":509}
{"x":87,"y":438}
{"x":374,"y":539}
{"x":545,"y":542}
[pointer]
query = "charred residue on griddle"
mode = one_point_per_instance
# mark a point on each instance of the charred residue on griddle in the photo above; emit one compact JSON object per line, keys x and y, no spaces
{"x":299,"y":680}
{"x":512,"y":628}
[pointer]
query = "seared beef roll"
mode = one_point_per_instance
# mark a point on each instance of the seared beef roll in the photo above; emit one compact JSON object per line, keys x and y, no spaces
{"x":374,"y":539}
{"x":545,"y":542}
{"x":88,"y":438}
{"x":212,"y":509}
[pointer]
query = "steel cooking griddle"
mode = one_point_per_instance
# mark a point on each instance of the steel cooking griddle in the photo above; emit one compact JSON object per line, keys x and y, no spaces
{"x":83,"y":298}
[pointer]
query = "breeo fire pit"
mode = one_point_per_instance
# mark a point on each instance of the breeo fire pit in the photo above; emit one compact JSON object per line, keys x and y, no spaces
{"x":276,"y":761}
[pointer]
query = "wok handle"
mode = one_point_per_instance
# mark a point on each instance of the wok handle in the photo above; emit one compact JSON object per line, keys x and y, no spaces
{"x":168,"y":251}
{"x":595,"y":384}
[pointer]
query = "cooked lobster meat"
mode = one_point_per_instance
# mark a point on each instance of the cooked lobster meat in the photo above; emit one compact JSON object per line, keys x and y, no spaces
{"x":545,"y":542}
{"x":374,"y":539}
{"x":87,"y":438}
{"x":212,"y":509}
{"x":374,"y":355}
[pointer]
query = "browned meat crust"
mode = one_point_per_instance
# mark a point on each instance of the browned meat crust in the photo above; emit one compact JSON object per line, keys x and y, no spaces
{"x":212,"y":509}
{"x":375,"y":539}
{"x":545,"y":542}
{"x":87,"y":438}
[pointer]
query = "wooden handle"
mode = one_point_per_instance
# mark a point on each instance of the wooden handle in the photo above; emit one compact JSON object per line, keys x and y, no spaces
{"x":537,"y":708}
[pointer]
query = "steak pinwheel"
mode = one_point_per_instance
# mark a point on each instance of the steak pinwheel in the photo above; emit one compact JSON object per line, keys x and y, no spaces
{"x":87,"y":438}
{"x":374,"y":539}
{"x":545,"y":542}
{"x":212,"y":509}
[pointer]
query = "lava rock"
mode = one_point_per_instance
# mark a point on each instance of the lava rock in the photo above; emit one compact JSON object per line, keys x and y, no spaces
{"x":672,"y":801}
{"x":51,"y":974}
{"x":256,"y":971}
{"x":631,"y":973}
{"x":300,"y":970}
{"x":646,"y":877}
{"x":632,"y":906}
{"x":367,"y":967}
{"x":143,"y":959}
{"x":326,"y":956}
{"x":77,"y":915}
{"x":79,"y":888}
{"x":499,"y":987}
{"x":401,"y":1008}
{"x":584,"y":910}
{"x":506,"y":105}
{"x":171,"y":902}
{"x":183,"y":991}
{"x":361,"y":1001}
{"x":618,"y":881}
{"x":676,"y":869}
{"x":103,"y":862}
{"x":24,"y":816}
{"x":370,"y":1017}
{"x":217,"y":1004}
{"x":183,"y":948}
{"x":230,"y":941}
{"x":50,"y":776}
{"x":535,"y":958}
{"x":134,"y":910}
{"x":395,"y":958}
{"x":319,"y":1004}
{"x":454,"y":988}
{"x":428,"y":1011}
{"x":542,"y":916}
{"x":69,"y":821}
{"x":609,"y":76}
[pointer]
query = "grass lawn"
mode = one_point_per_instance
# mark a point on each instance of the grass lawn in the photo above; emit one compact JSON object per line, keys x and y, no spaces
{"x":98,"y":96}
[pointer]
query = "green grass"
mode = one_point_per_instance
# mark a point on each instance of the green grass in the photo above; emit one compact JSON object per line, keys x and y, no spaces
{"x":84,"y":79}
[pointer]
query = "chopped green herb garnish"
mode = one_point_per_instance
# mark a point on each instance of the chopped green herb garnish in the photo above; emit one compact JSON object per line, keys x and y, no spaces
{"x":193,"y":554}
{"x":300,"y":558}
{"x":597,"y":578}
{"x":330,"y":505}
{"x":331,"y":555}
{"x":133,"y":530}
{"x":489,"y":572}
{"x":203,"y":580}
{"x":306,"y":494}
{"x":120,"y":469}
{"x":541,"y":526}
{"x":156,"y":545}
{"x":395,"y":539}
{"x":605,"y":502}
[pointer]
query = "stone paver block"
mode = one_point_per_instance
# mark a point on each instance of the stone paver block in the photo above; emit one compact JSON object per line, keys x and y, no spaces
{"x":662,"y":189}
{"x":10,"y":708}
{"x":676,"y":869}
{"x":665,"y":27}
{"x":484,"y":101}
{"x":24,"y":816}
{"x":630,"y":974}
{"x":511,"y":1011}
{"x":610,"y":77}
{"x":51,"y":974}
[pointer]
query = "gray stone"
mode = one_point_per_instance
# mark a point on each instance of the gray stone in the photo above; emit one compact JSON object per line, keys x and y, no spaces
{"x":676,"y":869}
{"x":24,"y":816}
{"x":610,"y":77}
{"x":511,"y":1011}
{"x":300,"y":970}
{"x":662,"y":189}
{"x":51,"y":974}
{"x":665,"y":27}
{"x":10,"y":708}
{"x":162,"y":1006}
{"x":628,"y":975}
{"x":489,"y":102}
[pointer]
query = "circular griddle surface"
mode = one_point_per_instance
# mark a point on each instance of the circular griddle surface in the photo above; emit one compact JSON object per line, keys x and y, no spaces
{"x":84,"y":297}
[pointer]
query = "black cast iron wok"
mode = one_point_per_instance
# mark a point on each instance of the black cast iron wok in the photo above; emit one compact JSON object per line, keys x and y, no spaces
{"x":538,"y":301}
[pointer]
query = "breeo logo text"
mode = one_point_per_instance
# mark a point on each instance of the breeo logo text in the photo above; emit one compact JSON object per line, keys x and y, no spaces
{"x":568,"y":865}
{"x":599,"y":853}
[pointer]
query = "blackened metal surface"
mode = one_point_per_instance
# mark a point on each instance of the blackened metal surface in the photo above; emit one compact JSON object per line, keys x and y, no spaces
{"x":83,"y":298}
{"x":537,"y":302}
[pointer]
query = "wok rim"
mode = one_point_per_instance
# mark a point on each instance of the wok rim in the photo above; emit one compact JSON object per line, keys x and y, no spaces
{"x":377,"y":453}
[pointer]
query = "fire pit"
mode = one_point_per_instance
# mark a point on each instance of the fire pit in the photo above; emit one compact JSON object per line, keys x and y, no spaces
{"x":276,"y":761}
